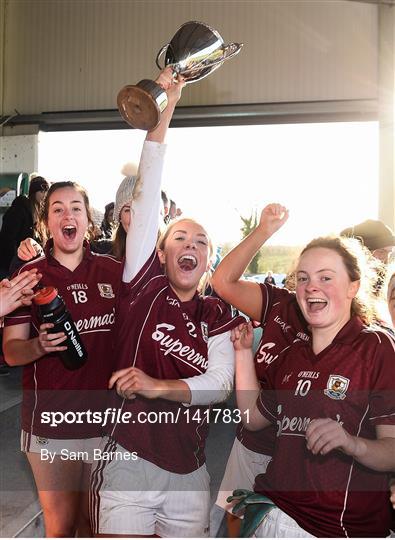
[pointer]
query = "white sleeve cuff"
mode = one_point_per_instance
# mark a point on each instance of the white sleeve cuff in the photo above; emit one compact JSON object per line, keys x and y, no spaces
{"x":215,"y":385}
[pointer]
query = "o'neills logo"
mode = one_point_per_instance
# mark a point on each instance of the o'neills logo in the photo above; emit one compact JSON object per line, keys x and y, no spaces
{"x":70,"y":332}
{"x":176,"y":348}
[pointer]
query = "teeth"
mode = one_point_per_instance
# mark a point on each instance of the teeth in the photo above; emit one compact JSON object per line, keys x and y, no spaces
{"x":188,"y":258}
{"x":316,"y":301}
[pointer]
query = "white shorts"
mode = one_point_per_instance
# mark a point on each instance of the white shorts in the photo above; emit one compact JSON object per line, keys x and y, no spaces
{"x":242,"y":468}
{"x":66,"y":449}
{"x":137,"y":497}
{"x":278,"y":524}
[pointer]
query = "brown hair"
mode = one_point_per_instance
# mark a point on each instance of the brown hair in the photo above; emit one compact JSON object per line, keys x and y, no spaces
{"x":43,"y":220}
{"x":118,"y":247}
{"x":205,"y":281}
{"x":358,"y":262}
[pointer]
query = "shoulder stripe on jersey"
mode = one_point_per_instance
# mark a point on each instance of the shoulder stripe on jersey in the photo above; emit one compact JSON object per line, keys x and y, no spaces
{"x":266,"y":409}
{"x":380,"y":333}
{"x":264,"y":311}
{"x":107,"y":256}
{"x":390,"y":339}
{"x":141,"y":291}
{"x":32,"y":263}
{"x":225,"y":325}
{"x":349,"y":478}
{"x":153,"y":256}
{"x":382,"y":416}
{"x":144,"y":323}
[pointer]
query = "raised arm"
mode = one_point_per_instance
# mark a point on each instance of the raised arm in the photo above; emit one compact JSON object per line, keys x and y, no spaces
{"x":145,"y":207}
{"x":227,"y":282}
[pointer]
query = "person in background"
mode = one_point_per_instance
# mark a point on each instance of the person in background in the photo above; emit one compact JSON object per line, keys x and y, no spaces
{"x":376,"y":236}
{"x":108,"y":221}
{"x":379,"y":240}
{"x":172,"y":210}
{"x":269,"y":279}
{"x":19,"y":222}
{"x":330,"y":395}
{"x":391,"y":296}
{"x":121,"y":216}
{"x":165,"y":204}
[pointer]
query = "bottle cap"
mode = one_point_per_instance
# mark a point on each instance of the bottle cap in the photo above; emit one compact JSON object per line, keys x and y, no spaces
{"x":45,"y":295}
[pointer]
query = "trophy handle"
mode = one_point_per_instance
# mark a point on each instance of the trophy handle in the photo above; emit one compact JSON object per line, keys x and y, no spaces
{"x":232,"y":49}
{"x":162,"y":51}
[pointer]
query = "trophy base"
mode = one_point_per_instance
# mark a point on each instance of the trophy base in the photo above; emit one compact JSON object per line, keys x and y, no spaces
{"x":140,"y":105}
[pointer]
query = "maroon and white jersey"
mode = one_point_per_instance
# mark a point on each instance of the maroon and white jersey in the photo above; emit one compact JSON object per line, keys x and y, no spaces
{"x":89,"y":293}
{"x":282,"y":323}
{"x":352,"y":381}
{"x":167,"y":339}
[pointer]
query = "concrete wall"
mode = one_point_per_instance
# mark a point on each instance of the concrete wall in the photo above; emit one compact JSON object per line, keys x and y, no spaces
{"x":63,"y":55}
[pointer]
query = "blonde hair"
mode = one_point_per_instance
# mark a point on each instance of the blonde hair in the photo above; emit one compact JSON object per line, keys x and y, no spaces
{"x":205,"y":280}
{"x":359,"y":265}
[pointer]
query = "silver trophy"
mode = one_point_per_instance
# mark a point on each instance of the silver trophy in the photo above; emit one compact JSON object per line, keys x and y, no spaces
{"x":195,"y":51}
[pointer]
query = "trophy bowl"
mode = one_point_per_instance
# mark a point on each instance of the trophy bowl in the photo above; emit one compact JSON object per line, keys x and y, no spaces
{"x":195,"y":51}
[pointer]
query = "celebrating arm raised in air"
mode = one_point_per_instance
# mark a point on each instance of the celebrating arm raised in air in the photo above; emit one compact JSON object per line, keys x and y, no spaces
{"x":173,"y":347}
{"x":227,"y":279}
{"x":141,"y":240}
{"x":146,"y":203}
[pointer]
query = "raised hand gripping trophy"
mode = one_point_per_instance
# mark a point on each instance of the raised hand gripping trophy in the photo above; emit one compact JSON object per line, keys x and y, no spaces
{"x":195,"y":51}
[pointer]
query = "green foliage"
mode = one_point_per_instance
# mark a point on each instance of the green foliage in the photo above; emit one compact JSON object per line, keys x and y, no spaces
{"x":249,"y":224}
{"x":278,"y":259}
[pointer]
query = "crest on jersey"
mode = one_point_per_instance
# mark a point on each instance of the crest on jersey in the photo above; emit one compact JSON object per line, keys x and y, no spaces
{"x":41,"y":440}
{"x":204,"y":327}
{"x":336,"y":387}
{"x":105,"y":290}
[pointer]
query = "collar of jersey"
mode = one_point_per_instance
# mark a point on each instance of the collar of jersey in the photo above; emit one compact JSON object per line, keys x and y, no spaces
{"x":51,"y":259}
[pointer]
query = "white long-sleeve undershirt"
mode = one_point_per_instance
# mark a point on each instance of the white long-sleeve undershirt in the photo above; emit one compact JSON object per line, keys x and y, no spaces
{"x":216,"y":383}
